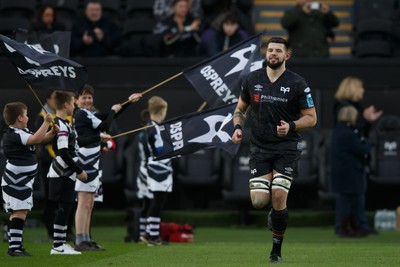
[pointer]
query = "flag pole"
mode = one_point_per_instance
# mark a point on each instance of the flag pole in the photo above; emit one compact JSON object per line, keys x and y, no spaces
{"x":157,"y":85}
{"x":36,"y":96}
{"x":202,"y":106}
{"x":132,"y":131}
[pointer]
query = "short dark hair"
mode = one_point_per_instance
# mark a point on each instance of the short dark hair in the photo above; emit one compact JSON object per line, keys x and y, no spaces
{"x":86,"y":90}
{"x":61,"y":97}
{"x":278,"y":40}
{"x":230,"y":17}
{"x":176,"y":1}
{"x":12,"y":110}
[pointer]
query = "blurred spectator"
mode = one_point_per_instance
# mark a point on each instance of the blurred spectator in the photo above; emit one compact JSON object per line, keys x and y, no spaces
{"x":229,"y":34}
{"x":180,"y":33}
{"x":214,"y":10}
{"x":351,"y":93}
{"x":94,"y":35}
{"x":46,"y":20}
{"x":349,"y":182}
{"x":307,"y":24}
{"x":164,"y":8}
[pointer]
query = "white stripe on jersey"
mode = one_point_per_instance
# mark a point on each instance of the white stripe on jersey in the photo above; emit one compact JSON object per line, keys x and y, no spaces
{"x":24,"y":135}
{"x":95,"y":121}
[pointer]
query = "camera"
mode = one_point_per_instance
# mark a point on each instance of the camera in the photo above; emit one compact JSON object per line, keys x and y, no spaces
{"x":315,"y":6}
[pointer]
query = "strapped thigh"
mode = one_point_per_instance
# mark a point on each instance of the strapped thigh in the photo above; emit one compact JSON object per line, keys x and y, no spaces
{"x":259,"y":185}
{"x":281,"y":181}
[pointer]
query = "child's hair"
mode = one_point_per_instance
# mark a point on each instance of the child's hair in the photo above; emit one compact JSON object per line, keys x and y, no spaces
{"x":156,"y":104}
{"x":230,"y":18}
{"x":62,"y":97}
{"x":86,"y":90}
{"x":348,"y":114}
{"x":12,"y":110}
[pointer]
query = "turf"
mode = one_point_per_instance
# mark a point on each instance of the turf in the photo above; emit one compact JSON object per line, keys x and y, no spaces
{"x":230,"y":246}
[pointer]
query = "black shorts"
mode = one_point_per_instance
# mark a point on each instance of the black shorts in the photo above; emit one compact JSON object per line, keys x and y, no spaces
{"x":264,"y":161}
{"x":62,"y":189}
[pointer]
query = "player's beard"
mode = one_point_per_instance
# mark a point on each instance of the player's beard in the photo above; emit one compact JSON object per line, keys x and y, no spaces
{"x":276,"y":65}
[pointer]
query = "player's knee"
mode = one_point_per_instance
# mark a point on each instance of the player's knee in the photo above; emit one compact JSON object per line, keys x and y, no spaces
{"x":259,"y":201}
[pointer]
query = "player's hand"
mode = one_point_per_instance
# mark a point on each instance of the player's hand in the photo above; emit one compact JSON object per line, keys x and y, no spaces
{"x":82,"y":176}
{"x":55,"y":129}
{"x":237,"y":136}
{"x":135,"y":97}
{"x":48,"y":118}
{"x":283,"y":128}
{"x":104,"y":136}
{"x":116,"y":108}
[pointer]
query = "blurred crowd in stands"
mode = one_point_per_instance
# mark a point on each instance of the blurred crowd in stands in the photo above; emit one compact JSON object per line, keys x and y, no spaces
{"x":161,"y":28}
{"x":198,"y":28}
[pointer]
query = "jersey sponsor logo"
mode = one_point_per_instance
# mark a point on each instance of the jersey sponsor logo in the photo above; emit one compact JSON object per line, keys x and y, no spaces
{"x":253,"y":171}
{"x":269,"y":98}
{"x":256,"y":98}
{"x":258,"y":87}
{"x":310,"y":101}
{"x":285,"y":89}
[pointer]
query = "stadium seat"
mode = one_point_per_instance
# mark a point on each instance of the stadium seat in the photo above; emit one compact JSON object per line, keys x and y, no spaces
{"x":376,"y":9}
{"x":131,"y":164}
{"x":374,"y":38}
{"x":325,"y":193}
{"x":374,"y":29}
{"x":236,"y":176}
{"x":111,"y":10}
{"x":9,"y":25}
{"x":14,"y":8}
{"x":385,"y":156}
{"x":142,"y":8}
{"x":311,"y":161}
{"x":138,"y":38}
{"x":111,"y":163}
{"x":201,"y":168}
{"x":137,"y":26}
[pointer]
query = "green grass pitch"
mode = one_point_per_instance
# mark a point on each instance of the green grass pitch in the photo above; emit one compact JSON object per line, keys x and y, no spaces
{"x":230,"y":246}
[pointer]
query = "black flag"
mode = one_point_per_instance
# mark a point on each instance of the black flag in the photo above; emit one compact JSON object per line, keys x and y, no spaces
{"x":218,"y":79}
{"x":57,"y":42}
{"x":42,"y":69}
{"x":197,"y":130}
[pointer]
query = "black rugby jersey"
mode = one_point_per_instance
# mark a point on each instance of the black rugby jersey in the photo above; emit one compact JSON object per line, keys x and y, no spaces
{"x":15,"y":149}
{"x":272,"y":102}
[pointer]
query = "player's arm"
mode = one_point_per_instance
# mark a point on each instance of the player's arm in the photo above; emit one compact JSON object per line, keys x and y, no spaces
{"x":307,"y":120}
{"x":239,"y":118}
{"x":38,"y":137}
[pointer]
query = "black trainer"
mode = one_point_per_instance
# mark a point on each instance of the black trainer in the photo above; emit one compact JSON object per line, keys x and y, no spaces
{"x":274,"y":258}
{"x":84,"y":246}
{"x":19,"y":252}
{"x":97,"y":247}
{"x":157,"y":242}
